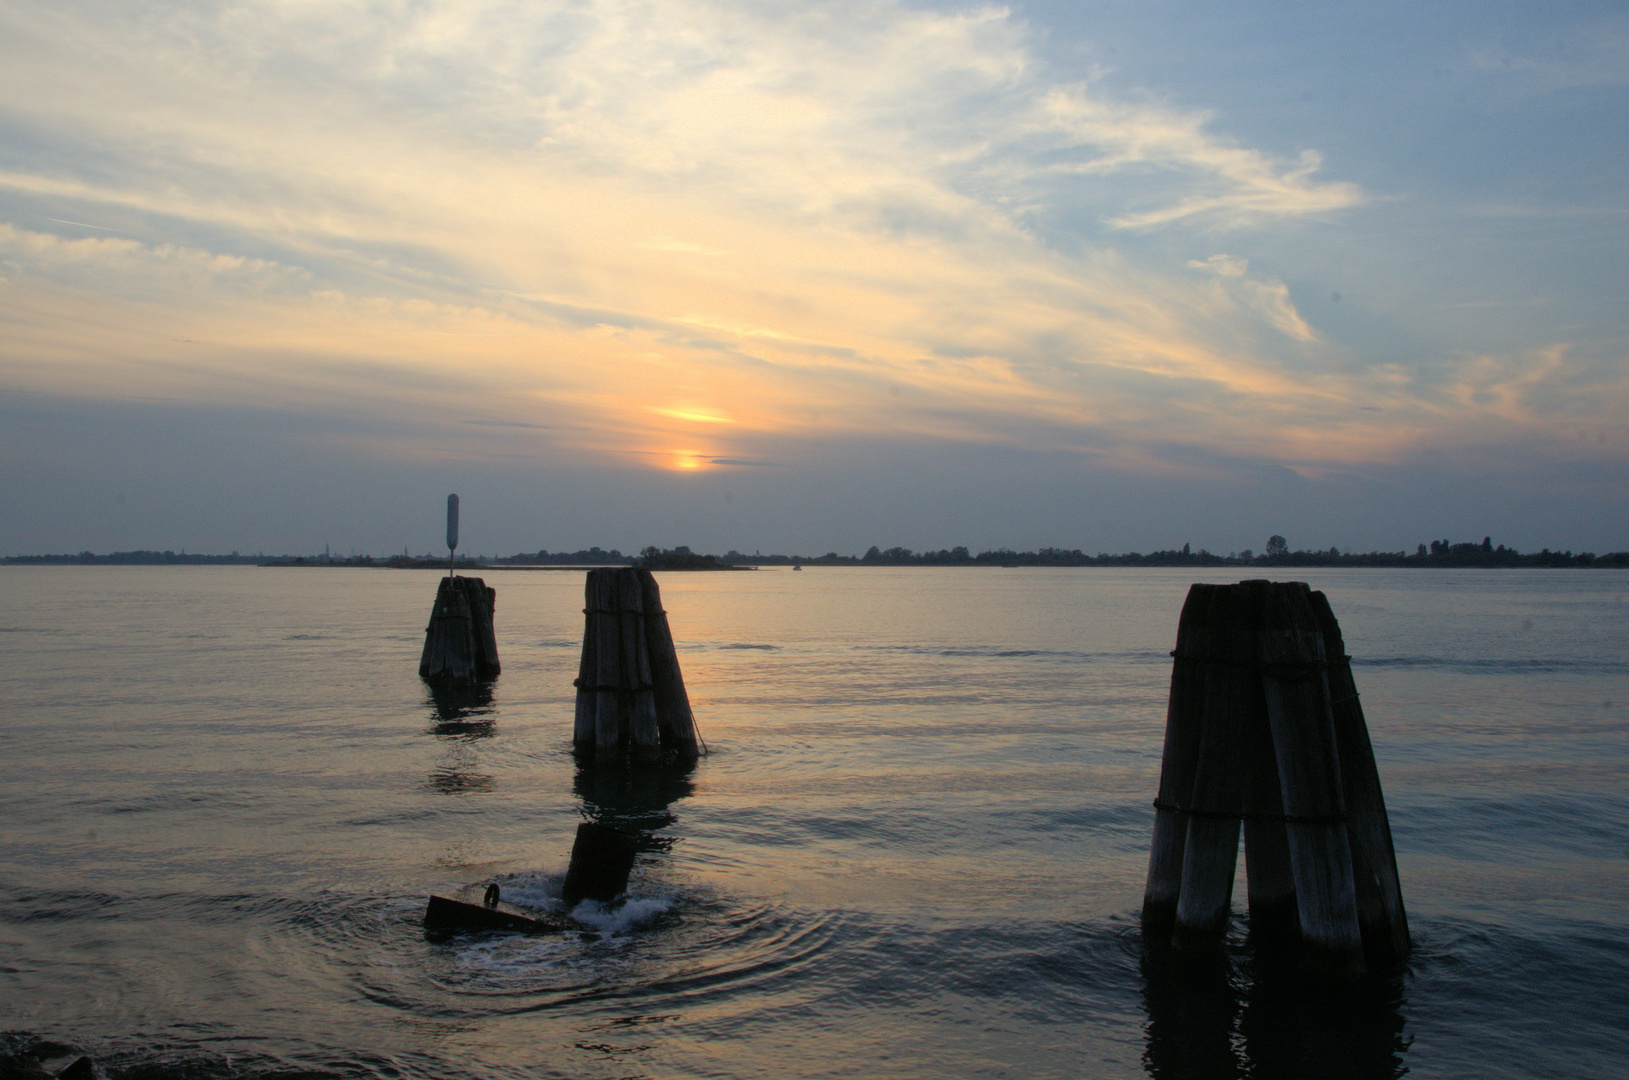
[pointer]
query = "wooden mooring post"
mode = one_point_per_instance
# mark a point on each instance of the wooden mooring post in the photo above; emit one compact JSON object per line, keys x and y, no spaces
{"x":1264,"y":728}
{"x":460,"y":645}
{"x":631,"y":701}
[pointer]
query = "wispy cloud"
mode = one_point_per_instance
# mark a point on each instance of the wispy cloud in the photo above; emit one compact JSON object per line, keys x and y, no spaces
{"x":1214,"y":178}
{"x":661,"y":230}
{"x":1587,"y":51}
{"x":1269,"y":297}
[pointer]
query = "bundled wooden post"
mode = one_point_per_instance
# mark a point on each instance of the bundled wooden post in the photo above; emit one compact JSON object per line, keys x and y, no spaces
{"x":1264,"y":727}
{"x":631,"y":701}
{"x":460,"y":645}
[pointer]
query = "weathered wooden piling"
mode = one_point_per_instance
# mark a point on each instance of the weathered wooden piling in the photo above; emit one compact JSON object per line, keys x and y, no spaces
{"x":1264,"y":728}
{"x":631,"y":701}
{"x":460,"y":644}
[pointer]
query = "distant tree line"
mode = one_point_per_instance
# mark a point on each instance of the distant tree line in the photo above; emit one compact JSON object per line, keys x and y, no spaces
{"x":681,"y":558}
{"x":583,"y":557}
{"x":171,"y":558}
{"x":1437,"y":553}
{"x":1274,"y":554}
{"x":138,"y":558}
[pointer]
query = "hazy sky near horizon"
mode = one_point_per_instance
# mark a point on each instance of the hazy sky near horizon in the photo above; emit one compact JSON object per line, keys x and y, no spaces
{"x":1115,"y":276}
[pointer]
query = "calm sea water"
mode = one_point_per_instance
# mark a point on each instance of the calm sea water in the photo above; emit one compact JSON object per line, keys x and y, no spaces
{"x":916,"y":849}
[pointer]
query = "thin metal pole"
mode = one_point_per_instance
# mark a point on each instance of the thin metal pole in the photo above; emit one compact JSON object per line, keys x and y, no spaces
{"x":452,"y":535}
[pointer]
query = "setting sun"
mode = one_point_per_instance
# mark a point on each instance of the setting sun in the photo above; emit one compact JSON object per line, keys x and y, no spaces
{"x":687,"y":461}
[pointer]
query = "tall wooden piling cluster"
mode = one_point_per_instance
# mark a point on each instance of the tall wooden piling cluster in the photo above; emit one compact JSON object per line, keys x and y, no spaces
{"x":460,"y":645}
{"x":631,"y":701}
{"x":1264,"y":728}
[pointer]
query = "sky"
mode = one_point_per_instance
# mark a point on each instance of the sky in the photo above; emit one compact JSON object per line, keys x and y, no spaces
{"x":786,"y":277}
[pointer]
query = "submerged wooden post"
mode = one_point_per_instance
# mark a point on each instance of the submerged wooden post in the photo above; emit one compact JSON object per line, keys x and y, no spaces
{"x":1264,"y":727}
{"x":631,"y":701}
{"x":601,"y":860}
{"x":473,"y":908}
{"x":460,"y":644}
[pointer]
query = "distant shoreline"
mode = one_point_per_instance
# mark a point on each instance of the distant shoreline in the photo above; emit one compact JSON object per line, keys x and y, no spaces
{"x":1441,"y":555}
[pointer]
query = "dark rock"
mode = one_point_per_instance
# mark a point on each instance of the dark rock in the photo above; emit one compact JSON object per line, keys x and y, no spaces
{"x":82,"y":1069}
{"x":23,"y":1067}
